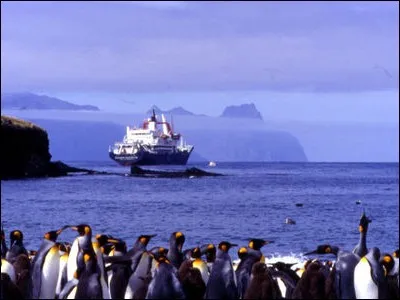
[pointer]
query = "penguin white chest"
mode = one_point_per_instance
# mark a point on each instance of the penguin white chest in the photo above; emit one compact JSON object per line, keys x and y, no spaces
{"x":364,"y":285}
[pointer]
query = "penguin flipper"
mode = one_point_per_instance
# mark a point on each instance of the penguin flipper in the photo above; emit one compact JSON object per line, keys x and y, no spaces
{"x":68,"y":288}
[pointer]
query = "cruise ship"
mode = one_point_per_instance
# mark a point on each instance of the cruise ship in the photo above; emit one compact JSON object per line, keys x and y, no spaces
{"x":154,"y":143}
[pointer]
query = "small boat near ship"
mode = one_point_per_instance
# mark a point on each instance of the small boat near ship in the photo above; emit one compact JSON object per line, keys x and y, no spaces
{"x":151,"y":145}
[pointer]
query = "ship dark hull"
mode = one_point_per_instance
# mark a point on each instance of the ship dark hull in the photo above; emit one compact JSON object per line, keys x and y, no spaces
{"x":150,"y":159}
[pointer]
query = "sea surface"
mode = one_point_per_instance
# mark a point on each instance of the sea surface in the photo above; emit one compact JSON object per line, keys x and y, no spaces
{"x":251,"y":201}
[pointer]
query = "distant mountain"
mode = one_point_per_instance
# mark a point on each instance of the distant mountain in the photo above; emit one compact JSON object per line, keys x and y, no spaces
{"x":174,"y":111}
{"x":32,"y":101}
{"x":89,"y":141}
{"x":242,"y":111}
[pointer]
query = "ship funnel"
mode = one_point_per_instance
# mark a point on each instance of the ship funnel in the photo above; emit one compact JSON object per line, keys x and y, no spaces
{"x":164,"y":125}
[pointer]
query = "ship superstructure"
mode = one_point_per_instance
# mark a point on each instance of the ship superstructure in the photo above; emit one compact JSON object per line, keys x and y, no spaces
{"x":155,"y":143}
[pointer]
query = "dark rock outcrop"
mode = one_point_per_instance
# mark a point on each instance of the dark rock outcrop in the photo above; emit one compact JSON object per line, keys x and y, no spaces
{"x":242,"y":111}
{"x":25,"y":152}
{"x":25,"y":149}
{"x":190,"y":172}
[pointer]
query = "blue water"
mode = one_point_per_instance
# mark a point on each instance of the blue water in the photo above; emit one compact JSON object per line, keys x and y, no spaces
{"x":253,"y":200}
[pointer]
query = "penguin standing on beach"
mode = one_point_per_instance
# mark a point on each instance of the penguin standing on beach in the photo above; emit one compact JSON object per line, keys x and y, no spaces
{"x":135,"y":285}
{"x":164,"y":283}
{"x":16,"y":246}
{"x":369,"y":277}
{"x":89,"y":285}
{"x":175,"y":255}
{"x":222,"y":283}
{"x":361,"y":248}
{"x":45,"y":267}
{"x":82,"y":243}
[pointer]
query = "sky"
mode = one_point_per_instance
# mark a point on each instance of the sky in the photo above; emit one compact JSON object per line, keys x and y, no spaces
{"x":295,"y":60}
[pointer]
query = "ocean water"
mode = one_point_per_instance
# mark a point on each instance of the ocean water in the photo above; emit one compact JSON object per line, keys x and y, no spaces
{"x":251,"y":201}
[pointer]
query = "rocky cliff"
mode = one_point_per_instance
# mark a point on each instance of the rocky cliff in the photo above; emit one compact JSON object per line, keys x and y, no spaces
{"x":25,"y":151}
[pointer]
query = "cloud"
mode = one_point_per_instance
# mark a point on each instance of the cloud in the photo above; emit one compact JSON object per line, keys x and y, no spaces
{"x":206,"y":46}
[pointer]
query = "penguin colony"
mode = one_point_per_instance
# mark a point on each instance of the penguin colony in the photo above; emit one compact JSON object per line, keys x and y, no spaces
{"x":101,"y":267}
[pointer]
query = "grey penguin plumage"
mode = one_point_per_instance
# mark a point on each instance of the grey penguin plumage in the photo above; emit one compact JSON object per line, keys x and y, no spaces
{"x":89,"y":284}
{"x":82,"y":243}
{"x":164,"y":283}
{"x":16,"y":246}
{"x":361,"y":248}
{"x":369,"y":277}
{"x":137,"y":281}
{"x":345,"y":264}
{"x":45,"y":267}
{"x":222,"y":283}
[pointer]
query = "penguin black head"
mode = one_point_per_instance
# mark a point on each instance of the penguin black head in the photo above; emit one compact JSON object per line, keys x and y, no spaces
{"x":83,"y":229}
{"x":16,"y":236}
{"x":196,"y":252}
{"x":210,"y":252}
{"x":103,"y":239}
{"x":120,"y":247}
{"x":242,"y":252}
{"x":322,"y":249}
{"x":364,"y":221}
{"x":179,"y":239}
{"x":257,"y":244}
{"x":145,"y":239}
{"x":53,"y":235}
{"x":158,"y":252}
{"x":225,"y":246}
{"x":387,"y":261}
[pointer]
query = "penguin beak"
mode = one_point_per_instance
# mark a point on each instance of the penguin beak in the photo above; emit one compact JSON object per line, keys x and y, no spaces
{"x":113,"y":241}
{"x":234,"y":245}
{"x":267,"y":242}
{"x":312,"y":252}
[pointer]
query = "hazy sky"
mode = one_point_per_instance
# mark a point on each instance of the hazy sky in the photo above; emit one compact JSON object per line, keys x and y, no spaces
{"x":302,"y":60}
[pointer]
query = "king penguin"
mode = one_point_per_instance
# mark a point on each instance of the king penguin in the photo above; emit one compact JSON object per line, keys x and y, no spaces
{"x":369,"y":277}
{"x":16,"y":246}
{"x":361,"y":248}
{"x":82,"y":243}
{"x":391,"y":267}
{"x":45,"y":267}
{"x":261,"y":285}
{"x":210,"y":252}
{"x":222,"y":283}
{"x":175,"y":255}
{"x":89,"y":285}
{"x":164,"y":283}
